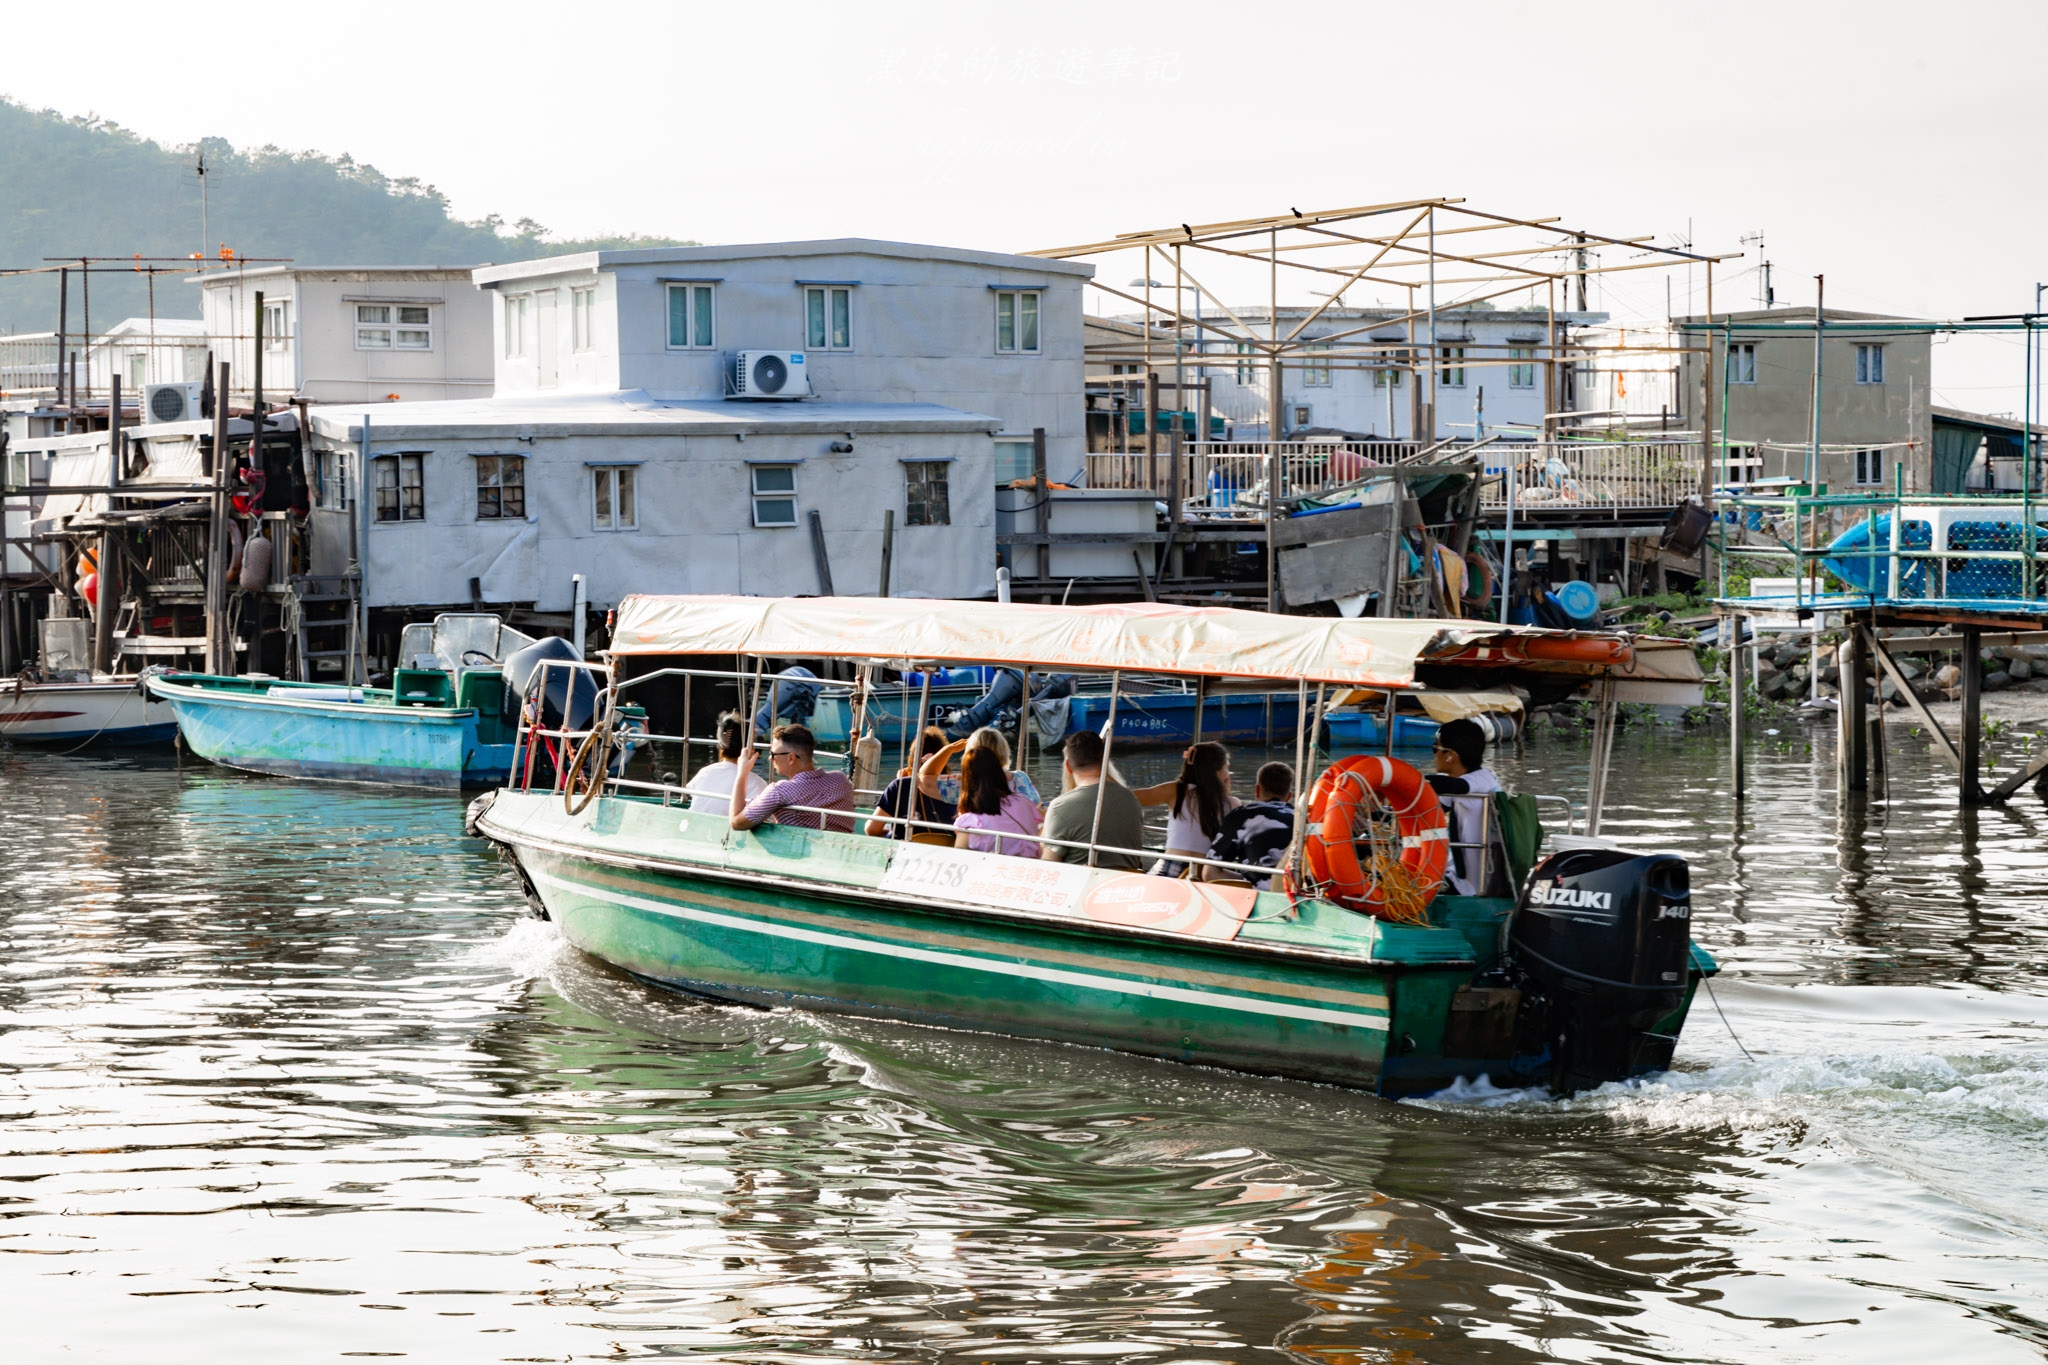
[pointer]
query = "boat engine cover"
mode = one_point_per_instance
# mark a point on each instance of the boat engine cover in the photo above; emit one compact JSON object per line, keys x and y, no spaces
{"x":569,"y":696}
{"x":1604,"y":938}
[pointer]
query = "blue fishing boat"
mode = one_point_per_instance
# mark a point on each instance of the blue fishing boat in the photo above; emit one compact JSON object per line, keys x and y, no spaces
{"x":444,"y":721}
{"x":1168,"y":718}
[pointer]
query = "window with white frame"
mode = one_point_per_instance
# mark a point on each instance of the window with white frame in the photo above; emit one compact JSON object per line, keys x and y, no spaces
{"x":774,"y":490}
{"x":333,"y":472}
{"x":401,"y":486}
{"x":1317,"y":370}
{"x":1387,"y":379}
{"x":1452,"y":373}
{"x":1869,"y":467}
{"x":1742,"y":362}
{"x":1016,"y":321}
{"x":516,"y":309}
{"x":1870,"y":364}
{"x":1522,"y":367}
{"x":614,"y":505}
{"x":138,"y":370}
{"x":277,"y":334}
{"x":1244,"y":363}
{"x":691,"y":316}
{"x":828,"y":318}
{"x":394,"y":327}
{"x":501,"y":488}
{"x":582,"y":319}
{"x":925,"y":493}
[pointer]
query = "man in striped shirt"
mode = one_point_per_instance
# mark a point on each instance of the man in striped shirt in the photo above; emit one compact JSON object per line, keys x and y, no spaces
{"x":799,"y":783}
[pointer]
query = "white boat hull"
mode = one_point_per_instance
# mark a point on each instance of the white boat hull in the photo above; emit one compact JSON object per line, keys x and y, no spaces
{"x":110,"y":712}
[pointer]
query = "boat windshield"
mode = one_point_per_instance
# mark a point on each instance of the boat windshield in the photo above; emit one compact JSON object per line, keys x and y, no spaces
{"x":458,"y":640}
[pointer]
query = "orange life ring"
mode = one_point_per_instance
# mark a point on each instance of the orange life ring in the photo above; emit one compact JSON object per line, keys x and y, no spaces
{"x":1360,"y":785}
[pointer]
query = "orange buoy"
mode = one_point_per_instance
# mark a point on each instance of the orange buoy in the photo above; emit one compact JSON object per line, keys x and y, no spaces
{"x":1340,"y":813}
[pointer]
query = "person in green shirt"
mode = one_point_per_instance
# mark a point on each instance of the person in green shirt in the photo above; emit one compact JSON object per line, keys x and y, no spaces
{"x":1071,"y":817}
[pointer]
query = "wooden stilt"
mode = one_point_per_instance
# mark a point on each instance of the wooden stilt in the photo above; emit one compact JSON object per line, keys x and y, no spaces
{"x":1852,"y":729}
{"x":1969,"y":753}
{"x":1732,"y":631}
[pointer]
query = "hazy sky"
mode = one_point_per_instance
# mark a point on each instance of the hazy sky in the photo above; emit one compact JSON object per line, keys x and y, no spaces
{"x":1893,"y":146}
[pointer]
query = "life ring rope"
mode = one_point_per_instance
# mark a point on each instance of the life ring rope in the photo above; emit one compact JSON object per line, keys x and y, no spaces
{"x":1355,"y":859}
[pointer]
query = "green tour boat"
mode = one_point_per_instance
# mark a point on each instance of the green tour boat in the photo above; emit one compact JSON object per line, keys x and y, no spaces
{"x":1569,"y":969}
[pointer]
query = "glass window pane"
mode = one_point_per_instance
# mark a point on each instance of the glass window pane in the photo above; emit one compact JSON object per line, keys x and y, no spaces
{"x":415,"y":341}
{"x":373,"y":338}
{"x":1006,"y":322}
{"x":1027,"y":322}
{"x":774,"y":512}
{"x":412,"y":317}
{"x":602,"y":481}
{"x":372,"y":312}
{"x":627,"y":515}
{"x":701,"y":306}
{"x":678,"y":315}
{"x":814,"y":318}
{"x":774,"y":478}
{"x":842,"y":318}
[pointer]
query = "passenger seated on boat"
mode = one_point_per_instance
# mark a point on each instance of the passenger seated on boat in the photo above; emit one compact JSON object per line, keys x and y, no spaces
{"x":930,"y":809}
{"x":1200,"y":798}
{"x":1259,"y":831}
{"x":711,"y":786}
{"x":1071,"y":816}
{"x":987,"y":803}
{"x":802,"y":783}
{"x":1465,"y":784}
{"x":933,"y":781}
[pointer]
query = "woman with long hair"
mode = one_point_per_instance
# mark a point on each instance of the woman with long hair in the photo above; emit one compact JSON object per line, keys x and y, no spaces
{"x":711,"y":786}
{"x":932,"y":779}
{"x":989,"y":809}
{"x":1198,"y":800}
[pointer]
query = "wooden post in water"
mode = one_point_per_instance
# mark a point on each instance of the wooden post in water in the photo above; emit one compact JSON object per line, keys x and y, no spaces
{"x":1852,"y":729}
{"x":1973,"y":715}
{"x":109,"y":590}
{"x":1732,"y":654}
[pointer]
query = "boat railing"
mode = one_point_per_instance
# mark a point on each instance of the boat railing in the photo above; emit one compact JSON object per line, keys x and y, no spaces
{"x":1570,"y":811}
{"x":1043,"y":841}
{"x":576,"y":744}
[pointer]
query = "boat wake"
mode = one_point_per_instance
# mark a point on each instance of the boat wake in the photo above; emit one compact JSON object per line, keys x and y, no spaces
{"x":529,"y":951}
{"x":1947,"y":1088}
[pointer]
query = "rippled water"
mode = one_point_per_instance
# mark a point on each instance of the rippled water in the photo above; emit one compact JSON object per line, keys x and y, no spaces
{"x":287,"y":1074}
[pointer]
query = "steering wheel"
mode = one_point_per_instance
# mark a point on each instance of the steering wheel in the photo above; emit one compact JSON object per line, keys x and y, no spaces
{"x":476,"y":658}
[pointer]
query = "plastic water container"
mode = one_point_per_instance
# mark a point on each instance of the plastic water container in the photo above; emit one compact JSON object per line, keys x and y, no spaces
{"x":1578,"y":600}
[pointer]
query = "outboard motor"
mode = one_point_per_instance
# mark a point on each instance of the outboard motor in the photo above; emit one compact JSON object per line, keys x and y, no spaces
{"x":1603,"y":942}
{"x":568,"y":697}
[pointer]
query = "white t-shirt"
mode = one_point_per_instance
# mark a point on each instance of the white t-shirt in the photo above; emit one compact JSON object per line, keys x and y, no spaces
{"x":711,"y":788}
{"x":1184,"y":832}
{"x":1468,"y":819}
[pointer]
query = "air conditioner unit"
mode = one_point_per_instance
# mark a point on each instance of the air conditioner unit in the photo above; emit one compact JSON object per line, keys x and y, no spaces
{"x":768,"y":374}
{"x":170,"y":402}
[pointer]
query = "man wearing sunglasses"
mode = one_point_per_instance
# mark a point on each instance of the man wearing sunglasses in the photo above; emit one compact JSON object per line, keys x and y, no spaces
{"x":799,"y":782}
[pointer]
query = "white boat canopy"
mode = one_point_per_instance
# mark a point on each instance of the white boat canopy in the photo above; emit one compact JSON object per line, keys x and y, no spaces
{"x":1216,"y":642}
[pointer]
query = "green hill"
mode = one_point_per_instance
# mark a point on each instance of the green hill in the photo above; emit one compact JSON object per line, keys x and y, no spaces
{"x":83,"y":187}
